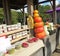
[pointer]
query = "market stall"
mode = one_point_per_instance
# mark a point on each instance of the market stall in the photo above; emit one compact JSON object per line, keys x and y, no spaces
{"x":31,"y":47}
{"x":20,"y":41}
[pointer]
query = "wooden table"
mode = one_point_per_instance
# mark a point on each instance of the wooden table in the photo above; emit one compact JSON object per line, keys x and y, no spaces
{"x":31,"y":50}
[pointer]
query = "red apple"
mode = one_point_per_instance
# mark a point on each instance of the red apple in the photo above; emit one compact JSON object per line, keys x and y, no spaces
{"x":35,"y":39}
{"x":25,"y":45}
{"x":30,"y":40}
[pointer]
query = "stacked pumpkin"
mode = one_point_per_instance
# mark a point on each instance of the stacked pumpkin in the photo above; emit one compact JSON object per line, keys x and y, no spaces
{"x":38,"y":26}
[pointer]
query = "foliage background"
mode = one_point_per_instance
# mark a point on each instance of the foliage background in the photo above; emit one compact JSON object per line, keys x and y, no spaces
{"x":18,"y":16}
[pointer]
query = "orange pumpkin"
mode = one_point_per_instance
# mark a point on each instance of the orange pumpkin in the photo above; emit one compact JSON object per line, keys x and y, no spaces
{"x":40,"y":24}
{"x":35,"y":12}
{"x":39,"y":30}
{"x":37,"y":19}
{"x":36,"y":15}
{"x":40,"y":35}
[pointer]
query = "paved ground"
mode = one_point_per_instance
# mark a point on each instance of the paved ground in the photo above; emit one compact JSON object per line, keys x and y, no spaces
{"x":56,"y":54}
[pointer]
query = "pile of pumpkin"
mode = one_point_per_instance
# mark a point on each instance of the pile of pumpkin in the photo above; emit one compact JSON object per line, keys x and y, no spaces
{"x":38,"y":25}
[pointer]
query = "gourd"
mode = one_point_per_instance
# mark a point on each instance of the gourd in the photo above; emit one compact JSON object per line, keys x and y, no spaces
{"x":38,"y":30}
{"x":35,"y":12}
{"x":39,"y":24}
{"x":41,"y":35}
{"x":37,"y":19}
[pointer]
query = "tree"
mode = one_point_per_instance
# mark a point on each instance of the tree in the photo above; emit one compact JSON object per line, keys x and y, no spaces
{"x":18,"y":16}
{"x":21,"y":17}
{"x":42,"y":9}
{"x":14,"y":16}
{"x":1,"y":15}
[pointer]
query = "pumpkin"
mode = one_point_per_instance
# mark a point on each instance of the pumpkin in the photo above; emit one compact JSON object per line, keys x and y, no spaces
{"x":40,"y":24}
{"x":39,"y":30}
{"x":35,"y":12}
{"x":40,"y":35}
{"x":36,"y":15}
{"x":37,"y":19}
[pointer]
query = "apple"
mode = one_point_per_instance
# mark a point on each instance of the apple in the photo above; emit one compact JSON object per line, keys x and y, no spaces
{"x":25,"y":45}
{"x":35,"y":39}
{"x":30,"y":41}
